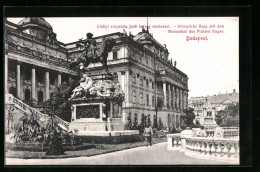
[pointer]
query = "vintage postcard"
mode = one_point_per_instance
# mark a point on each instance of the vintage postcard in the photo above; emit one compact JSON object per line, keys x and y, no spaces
{"x":122,"y":91}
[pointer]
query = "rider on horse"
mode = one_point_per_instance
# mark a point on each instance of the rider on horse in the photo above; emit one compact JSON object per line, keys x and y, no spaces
{"x":92,"y":44}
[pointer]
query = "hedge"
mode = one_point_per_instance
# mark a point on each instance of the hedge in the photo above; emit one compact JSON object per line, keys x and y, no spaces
{"x":111,"y":139}
{"x":38,"y":147}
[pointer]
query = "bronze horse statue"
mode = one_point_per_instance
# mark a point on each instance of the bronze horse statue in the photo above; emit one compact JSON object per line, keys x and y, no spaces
{"x":87,"y":57}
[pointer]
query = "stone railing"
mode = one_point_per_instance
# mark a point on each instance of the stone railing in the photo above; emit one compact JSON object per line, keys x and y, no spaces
{"x":223,"y":132}
{"x":226,"y":132}
{"x":221,"y":149}
{"x":10,"y":99}
{"x":63,"y":123}
{"x":174,"y":141}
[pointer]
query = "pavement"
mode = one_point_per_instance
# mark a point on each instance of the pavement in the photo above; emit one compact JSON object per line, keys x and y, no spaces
{"x":151,"y":155}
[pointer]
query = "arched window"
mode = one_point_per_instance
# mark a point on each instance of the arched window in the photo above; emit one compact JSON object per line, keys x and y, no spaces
{"x":141,"y":98}
{"x":27,"y":95}
{"x":152,"y":85}
{"x":169,"y":121}
{"x":40,"y":96}
{"x":147,"y":83}
{"x":147,"y":99}
{"x":153,"y":101}
{"x":148,"y":120}
{"x":12,"y":91}
{"x":115,"y":77}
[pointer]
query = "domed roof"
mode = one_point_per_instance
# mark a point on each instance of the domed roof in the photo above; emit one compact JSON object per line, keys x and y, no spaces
{"x":32,"y":21}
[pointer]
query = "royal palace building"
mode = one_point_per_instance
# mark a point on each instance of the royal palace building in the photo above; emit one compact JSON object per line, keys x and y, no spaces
{"x":36,"y":62}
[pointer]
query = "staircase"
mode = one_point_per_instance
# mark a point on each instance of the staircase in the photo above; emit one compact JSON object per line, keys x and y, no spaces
{"x":11,"y":100}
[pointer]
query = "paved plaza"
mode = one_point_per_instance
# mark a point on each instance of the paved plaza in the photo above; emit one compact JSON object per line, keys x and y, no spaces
{"x":155,"y":155}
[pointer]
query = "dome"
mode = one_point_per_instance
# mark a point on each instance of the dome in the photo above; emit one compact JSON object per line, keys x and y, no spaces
{"x":35,"y":21}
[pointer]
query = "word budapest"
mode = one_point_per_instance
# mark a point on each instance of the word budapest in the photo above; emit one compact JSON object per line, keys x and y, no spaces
{"x":195,"y":38}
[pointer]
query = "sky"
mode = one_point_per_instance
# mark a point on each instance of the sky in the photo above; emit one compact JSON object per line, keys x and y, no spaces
{"x":212,"y":65}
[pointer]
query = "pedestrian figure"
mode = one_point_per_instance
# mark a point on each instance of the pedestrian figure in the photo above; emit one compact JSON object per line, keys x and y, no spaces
{"x":148,"y":132}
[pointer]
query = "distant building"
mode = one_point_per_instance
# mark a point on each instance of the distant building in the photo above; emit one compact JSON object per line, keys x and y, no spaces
{"x":36,"y":62}
{"x":206,"y":108}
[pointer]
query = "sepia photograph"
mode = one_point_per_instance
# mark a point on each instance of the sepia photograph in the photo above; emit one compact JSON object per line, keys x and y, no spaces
{"x":121,"y":91}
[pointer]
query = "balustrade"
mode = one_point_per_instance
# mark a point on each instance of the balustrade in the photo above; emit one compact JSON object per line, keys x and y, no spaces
{"x":174,"y":141}
{"x":10,"y":99}
{"x":215,"y":149}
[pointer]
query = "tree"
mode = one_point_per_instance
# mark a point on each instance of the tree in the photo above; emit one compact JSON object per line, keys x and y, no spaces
{"x":142,"y":124}
{"x":229,"y":117}
{"x":135,"y":124}
{"x":128,"y":125}
{"x":59,"y":100}
{"x":219,"y":117}
{"x":155,"y":125}
{"x":160,"y":124}
{"x":188,"y":117}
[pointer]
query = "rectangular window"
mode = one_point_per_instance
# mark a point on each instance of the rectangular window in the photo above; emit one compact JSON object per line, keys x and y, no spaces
{"x":134,"y":78}
{"x":141,"y":98}
{"x":115,"y":55}
{"x":141,"y":81}
{"x":209,"y":113}
{"x":134,"y":97}
{"x":147,"y":100}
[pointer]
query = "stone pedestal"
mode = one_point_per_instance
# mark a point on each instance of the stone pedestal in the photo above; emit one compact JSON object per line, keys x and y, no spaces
{"x":185,"y":133}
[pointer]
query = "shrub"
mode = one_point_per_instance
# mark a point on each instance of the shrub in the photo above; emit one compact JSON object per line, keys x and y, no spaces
{"x":160,"y":124}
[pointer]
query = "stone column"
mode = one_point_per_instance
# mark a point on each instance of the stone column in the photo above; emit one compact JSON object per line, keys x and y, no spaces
{"x":173,"y":96}
{"x":47,"y":86}
{"x":181,"y":98}
{"x":184,"y":99}
{"x":6,"y":73}
{"x":18,"y":80}
{"x":169,"y":95}
{"x":164,"y":94}
{"x":59,"y":79}
{"x":33,"y":83}
{"x":174,"y":121}
{"x":177,"y":98}
{"x":179,"y":120}
{"x":126,"y":85}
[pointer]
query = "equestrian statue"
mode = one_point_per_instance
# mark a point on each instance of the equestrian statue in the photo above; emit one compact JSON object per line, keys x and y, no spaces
{"x":93,"y":53}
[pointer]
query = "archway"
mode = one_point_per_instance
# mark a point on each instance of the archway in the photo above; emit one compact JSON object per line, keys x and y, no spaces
{"x":40,"y":96}
{"x":27,"y":95}
{"x":12,"y":91}
{"x":177,"y":122}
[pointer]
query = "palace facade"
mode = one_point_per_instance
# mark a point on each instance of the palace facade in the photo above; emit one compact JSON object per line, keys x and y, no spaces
{"x":36,"y":62}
